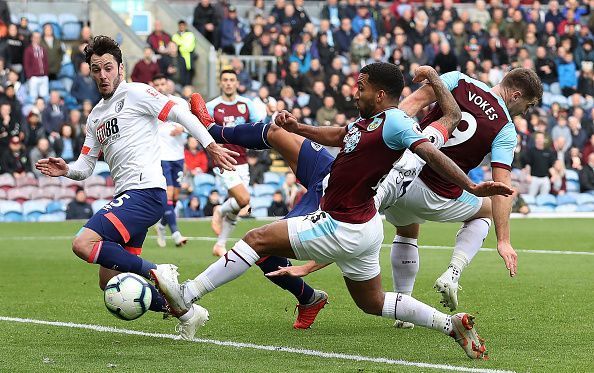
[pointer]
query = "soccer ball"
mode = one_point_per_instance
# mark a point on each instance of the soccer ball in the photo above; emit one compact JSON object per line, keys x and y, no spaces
{"x":127,"y":296}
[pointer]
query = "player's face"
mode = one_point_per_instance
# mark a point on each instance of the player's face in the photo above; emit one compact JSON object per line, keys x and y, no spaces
{"x":106,"y":73}
{"x":365,"y":97}
{"x":161,"y":86}
{"x":229,"y":84}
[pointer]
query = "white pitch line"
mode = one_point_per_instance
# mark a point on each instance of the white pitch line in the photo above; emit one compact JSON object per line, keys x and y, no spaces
{"x":213,"y":239}
{"x":314,"y":353}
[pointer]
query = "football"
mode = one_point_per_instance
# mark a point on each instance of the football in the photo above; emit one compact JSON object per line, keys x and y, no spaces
{"x":127,"y":296}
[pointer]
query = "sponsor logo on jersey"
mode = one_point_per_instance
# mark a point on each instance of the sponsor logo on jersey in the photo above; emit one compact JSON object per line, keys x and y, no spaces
{"x":119,"y":106}
{"x":352,"y":139}
{"x":151,"y":91}
{"x":375,"y":124}
{"x":242,"y":108}
{"x":417,"y":128}
{"x":108,"y":132}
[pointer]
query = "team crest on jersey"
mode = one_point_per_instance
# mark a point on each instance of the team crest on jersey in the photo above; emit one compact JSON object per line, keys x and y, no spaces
{"x":242,"y":108}
{"x":119,"y":106}
{"x":352,"y":139}
{"x":375,"y":124}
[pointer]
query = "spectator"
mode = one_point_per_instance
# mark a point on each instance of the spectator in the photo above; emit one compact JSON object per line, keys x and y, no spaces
{"x":588,"y":149}
{"x":23,"y":30}
{"x":13,"y":159}
{"x":79,"y":208}
{"x":294,"y":79}
{"x":40,"y":151}
{"x":32,"y":129}
{"x":332,"y":12}
{"x":273,"y":84}
{"x":325,"y":115}
{"x":196,"y":161}
{"x":10,"y":98}
{"x":546,"y":69}
{"x":278,"y":206}
{"x":158,"y":39}
{"x":54,"y":115}
{"x":344,"y":36}
{"x":213,"y":202}
{"x":316,"y":98}
{"x":363,"y":18}
{"x":587,"y":175}
{"x":231,"y":32}
{"x":255,"y":12}
{"x":538,"y":161}
{"x":15,"y":49}
{"x":578,"y":135}
{"x":54,"y":49}
{"x":35,"y":65}
{"x":518,"y":204}
{"x":145,"y":70}
{"x":445,"y":60}
{"x":186,"y":43}
{"x":553,"y":14}
{"x":360,"y":50}
{"x":292,"y":191}
{"x":302,"y":57}
{"x":558,"y":180}
{"x":193,"y":209}
{"x":206,"y":21}
{"x":562,"y":130}
{"x":9,"y":127}
{"x":345,"y":102}
{"x":567,"y":73}
{"x":67,"y":146}
{"x":256,"y":166}
{"x":83,"y":87}
{"x":171,"y":64}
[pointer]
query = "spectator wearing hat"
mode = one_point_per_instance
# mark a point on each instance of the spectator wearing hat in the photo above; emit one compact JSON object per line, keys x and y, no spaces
{"x":13,"y":158}
{"x":35,"y":65}
{"x":79,"y":208}
{"x":54,"y":115}
{"x":41,"y":150}
{"x":186,"y":43}
{"x":33,"y":129}
{"x":83,"y":87}
{"x":206,"y":21}
{"x":158,"y":39}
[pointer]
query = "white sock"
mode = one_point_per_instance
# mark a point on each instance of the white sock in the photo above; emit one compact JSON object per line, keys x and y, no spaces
{"x":469,"y":241}
{"x":188,"y":315}
{"x":229,"y":222}
{"x":227,"y":268}
{"x":406,"y":308}
{"x":405,"y":264}
{"x":230,"y":206}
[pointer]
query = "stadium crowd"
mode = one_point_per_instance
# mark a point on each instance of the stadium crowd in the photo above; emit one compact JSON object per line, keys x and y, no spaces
{"x":317,"y":60}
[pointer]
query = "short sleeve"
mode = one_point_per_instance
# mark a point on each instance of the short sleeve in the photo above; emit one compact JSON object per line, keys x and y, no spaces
{"x":401,"y":131}
{"x":150,"y":102}
{"x":502,"y":149}
{"x":210,"y":106}
{"x":255,"y":113}
{"x":91,"y":146}
{"x":451,"y":79}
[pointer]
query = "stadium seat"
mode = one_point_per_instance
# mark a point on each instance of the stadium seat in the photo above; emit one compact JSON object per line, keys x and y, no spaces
{"x":56,"y":85}
{"x":67,"y":71}
{"x":536,"y":208}
{"x":52,"y":217}
{"x":33,"y":209}
{"x":571,"y":207}
{"x":529,"y":199}
{"x":71,"y":30}
{"x":12,"y":217}
{"x":566,"y":199}
{"x":94,"y":193}
{"x":69,"y":183}
{"x":67,"y":17}
{"x":19,"y":194}
{"x":98,"y":204}
{"x":272,"y":178}
{"x":584,"y":199}
{"x":572,"y":175}
{"x":263,"y":190}
{"x":47,"y":18}
{"x":7,"y":181}
{"x":586,"y":208}
{"x":204,"y":179}
{"x":94,"y":180}
{"x":31,"y":17}
{"x":11,"y":211}
{"x":49,"y":192}
{"x":203,"y":190}
{"x":101,"y":169}
{"x":65,"y":194}
{"x":260,"y":202}
{"x":34,"y":26}
{"x":55,"y":206}
{"x":573,"y":186}
{"x":2,"y":194}
{"x":546,"y":200}
{"x":26,"y":180}
{"x":46,"y":181}
{"x":260,"y":213}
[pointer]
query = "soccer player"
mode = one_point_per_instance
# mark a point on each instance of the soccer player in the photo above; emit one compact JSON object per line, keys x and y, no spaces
{"x":231,"y":109}
{"x":486,"y":127}
{"x":172,"y":139}
{"x":123,"y":126}
{"x":347,"y":229}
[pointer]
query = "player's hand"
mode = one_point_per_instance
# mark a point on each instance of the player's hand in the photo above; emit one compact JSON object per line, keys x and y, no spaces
{"x":222,"y":157}
{"x":176,"y":131}
{"x":491,"y":188}
{"x":286,"y":120}
{"x":424,"y":73}
{"x":509,"y":256}
{"x":293,"y":271}
{"x":52,"y":166}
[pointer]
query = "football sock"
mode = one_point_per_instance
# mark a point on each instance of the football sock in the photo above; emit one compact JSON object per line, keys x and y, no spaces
{"x":170,"y":217}
{"x":405,"y":263}
{"x":229,"y":222}
{"x":230,"y":206}
{"x":157,"y":301}
{"x":113,"y":256}
{"x":468,"y":242}
{"x":295,"y":285}
{"x":406,"y":308}
{"x":230,"y":266}
{"x":251,"y":135}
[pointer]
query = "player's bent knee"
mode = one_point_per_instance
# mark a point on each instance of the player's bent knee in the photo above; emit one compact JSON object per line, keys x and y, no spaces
{"x":82,"y":248}
{"x":243,"y":200}
{"x":371,"y":306}
{"x":256,"y":238}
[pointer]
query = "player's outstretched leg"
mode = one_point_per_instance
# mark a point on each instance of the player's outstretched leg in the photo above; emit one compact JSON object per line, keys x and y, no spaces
{"x":404,"y":257}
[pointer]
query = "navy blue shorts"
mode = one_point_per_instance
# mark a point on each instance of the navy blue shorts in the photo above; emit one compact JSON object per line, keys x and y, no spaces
{"x":313,"y":165}
{"x":171,"y":170}
{"x":127,"y":218}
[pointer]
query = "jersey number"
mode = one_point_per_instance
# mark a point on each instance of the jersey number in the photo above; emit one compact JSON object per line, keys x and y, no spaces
{"x":458,"y":137}
{"x":111,"y":127}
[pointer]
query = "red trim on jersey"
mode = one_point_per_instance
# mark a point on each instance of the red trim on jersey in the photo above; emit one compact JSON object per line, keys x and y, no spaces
{"x":441,"y":128}
{"x":117,"y":223}
{"x":501,"y":165}
{"x":85,"y":150}
{"x":133,"y":250}
{"x":165,"y":111}
{"x":95,"y":252}
{"x":417,"y":143}
{"x":262,"y":259}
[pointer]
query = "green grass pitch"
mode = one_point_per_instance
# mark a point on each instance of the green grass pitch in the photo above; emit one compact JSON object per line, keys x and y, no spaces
{"x":540,"y":321}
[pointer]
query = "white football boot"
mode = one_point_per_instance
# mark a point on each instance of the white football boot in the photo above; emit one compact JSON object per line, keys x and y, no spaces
{"x":399,"y":324}
{"x":165,"y":277}
{"x":465,"y":334}
{"x":161,"y":232}
{"x":179,"y":239}
{"x":187,"y":329}
{"x":447,"y":285}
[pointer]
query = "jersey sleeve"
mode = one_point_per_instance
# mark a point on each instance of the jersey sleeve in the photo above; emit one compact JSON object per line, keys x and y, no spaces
{"x":401,"y":131}
{"x":255,"y":113}
{"x":147,"y":100}
{"x":451,"y":79}
{"x":502,"y":149}
{"x":91,"y":146}
{"x":210,"y":106}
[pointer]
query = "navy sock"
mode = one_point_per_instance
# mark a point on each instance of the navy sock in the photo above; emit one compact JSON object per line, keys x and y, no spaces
{"x":251,"y":135}
{"x":169,"y":216}
{"x":299,"y":288}
{"x":113,"y":256}
{"x":157,"y":301}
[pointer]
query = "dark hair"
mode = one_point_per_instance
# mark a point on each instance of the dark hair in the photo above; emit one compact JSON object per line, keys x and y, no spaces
{"x":525,"y":81}
{"x":227,"y":71}
{"x":158,"y":77}
{"x":385,"y":76}
{"x":101,"y":45}
{"x":181,"y":22}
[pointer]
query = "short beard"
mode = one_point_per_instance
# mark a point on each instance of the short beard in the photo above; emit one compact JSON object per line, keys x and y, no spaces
{"x":116,"y":84}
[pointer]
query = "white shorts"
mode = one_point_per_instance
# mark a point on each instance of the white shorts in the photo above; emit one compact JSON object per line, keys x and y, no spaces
{"x":396,"y":183}
{"x":353,"y":247}
{"x":420,"y":203}
{"x":230,"y":179}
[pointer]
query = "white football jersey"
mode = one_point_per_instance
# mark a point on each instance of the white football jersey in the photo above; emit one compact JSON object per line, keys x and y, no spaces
{"x":172,"y":147}
{"x":125,"y":129}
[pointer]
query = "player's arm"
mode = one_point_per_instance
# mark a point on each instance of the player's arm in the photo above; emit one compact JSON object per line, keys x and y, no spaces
{"x":329,"y":136}
{"x":298,"y":271}
{"x":451,"y":112}
{"x":426,"y":95}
